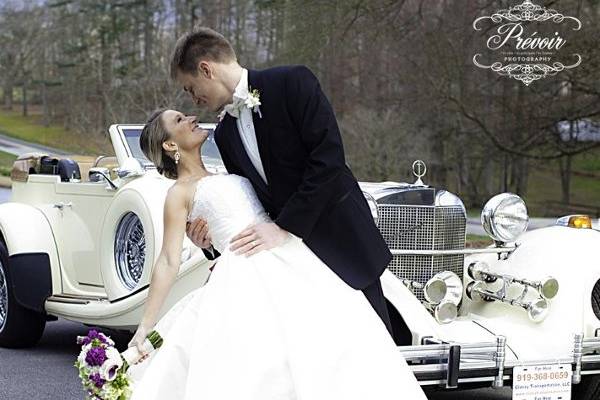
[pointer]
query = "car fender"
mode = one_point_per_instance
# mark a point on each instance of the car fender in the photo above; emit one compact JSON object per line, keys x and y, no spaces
{"x":572,"y":256}
{"x":32,"y":250}
{"x":130,"y":199}
{"x":146,"y":198}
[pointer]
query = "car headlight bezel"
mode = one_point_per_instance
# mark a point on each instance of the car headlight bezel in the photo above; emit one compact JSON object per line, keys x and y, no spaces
{"x":501,"y":210}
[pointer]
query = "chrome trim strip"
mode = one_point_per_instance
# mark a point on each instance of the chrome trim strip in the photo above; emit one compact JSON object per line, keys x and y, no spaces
{"x":497,"y":250}
{"x":92,"y":284}
{"x":55,"y":299}
{"x":81,"y":296}
{"x":492,"y":356}
{"x":500,"y":361}
{"x":577,"y":357}
{"x":72,"y":299}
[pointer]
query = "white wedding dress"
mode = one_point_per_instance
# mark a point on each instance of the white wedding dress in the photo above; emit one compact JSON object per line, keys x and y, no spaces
{"x":278,"y":325}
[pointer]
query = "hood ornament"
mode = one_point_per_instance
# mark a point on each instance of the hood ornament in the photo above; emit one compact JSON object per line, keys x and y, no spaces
{"x":419,"y":170}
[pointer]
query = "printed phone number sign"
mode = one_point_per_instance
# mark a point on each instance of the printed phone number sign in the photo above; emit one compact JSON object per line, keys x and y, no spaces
{"x":542,"y":382}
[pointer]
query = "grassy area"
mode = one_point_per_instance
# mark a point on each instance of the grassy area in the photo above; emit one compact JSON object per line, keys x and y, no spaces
{"x":478,"y":241}
{"x":544,"y":185}
{"x":6,"y":162}
{"x":31,"y":129}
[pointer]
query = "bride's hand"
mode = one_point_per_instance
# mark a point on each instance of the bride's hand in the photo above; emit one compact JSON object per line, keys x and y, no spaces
{"x":138,"y":340}
{"x":263,"y":236}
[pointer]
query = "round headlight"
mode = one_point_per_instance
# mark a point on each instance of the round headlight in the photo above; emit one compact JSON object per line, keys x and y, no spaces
{"x":504,"y":217}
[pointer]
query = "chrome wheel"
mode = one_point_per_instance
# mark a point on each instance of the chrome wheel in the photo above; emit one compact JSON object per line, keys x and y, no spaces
{"x":130,"y":250}
{"x":3,"y":297}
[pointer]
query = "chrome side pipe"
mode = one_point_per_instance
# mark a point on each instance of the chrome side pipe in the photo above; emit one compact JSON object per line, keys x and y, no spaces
{"x":537,"y":310}
{"x":480,"y":271}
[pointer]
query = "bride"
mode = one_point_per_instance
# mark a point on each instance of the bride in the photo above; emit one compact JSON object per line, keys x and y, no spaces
{"x":276,"y":325}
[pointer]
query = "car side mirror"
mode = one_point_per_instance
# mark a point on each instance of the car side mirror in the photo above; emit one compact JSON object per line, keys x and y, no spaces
{"x":100,"y":174}
{"x":131,"y":168}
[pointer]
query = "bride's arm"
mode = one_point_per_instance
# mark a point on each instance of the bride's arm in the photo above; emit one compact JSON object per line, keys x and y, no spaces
{"x":168,"y":262}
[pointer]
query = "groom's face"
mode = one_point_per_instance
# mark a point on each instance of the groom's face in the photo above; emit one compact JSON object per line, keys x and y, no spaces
{"x":204,"y":87}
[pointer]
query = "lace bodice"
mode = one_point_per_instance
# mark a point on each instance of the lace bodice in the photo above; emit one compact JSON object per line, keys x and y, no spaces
{"x":229,"y":204}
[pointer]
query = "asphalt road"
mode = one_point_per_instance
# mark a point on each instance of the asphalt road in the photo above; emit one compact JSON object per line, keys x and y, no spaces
{"x":17,"y":147}
{"x":46,"y":371}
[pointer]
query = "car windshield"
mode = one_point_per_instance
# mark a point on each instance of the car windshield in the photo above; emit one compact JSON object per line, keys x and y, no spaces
{"x":210,"y":152}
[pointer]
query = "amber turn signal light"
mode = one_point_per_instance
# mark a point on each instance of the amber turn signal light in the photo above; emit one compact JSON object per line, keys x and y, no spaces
{"x":575,"y":221}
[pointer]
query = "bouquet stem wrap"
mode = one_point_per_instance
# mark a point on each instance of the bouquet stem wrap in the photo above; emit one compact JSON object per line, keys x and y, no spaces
{"x":132,"y":355}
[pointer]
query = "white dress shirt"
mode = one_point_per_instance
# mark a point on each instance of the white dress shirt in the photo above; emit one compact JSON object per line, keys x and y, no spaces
{"x":245,"y":126}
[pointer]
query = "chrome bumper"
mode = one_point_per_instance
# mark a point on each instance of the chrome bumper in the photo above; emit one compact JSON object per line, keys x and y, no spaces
{"x":452,"y":364}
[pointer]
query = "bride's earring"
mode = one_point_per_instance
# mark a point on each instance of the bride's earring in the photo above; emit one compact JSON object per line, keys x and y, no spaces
{"x":177,"y":157}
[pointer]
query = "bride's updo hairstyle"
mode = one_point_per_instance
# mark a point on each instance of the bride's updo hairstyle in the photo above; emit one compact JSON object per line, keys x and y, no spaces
{"x":153,"y":136}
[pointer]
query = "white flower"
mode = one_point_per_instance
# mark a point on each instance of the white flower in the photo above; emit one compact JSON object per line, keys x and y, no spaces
{"x":105,"y":370}
{"x":114,"y":355}
{"x":113,"y":361}
{"x":83,"y":354}
{"x":81,"y":359}
{"x":107,"y":338}
{"x":253,"y":100}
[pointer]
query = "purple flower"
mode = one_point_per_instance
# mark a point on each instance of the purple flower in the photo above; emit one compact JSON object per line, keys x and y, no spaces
{"x":95,"y":356}
{"x":98,"y":381}
{"x":94,"y":334}
{"x":83,"y":340}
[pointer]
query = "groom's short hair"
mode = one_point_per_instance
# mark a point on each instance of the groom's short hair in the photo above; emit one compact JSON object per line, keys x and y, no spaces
{"x":201,"y":43}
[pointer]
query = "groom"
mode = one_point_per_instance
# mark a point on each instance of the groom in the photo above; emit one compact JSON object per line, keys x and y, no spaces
{"x":289,"y":147}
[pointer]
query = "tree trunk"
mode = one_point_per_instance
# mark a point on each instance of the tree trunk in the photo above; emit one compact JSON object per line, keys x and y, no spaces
{"x":148,"y":39}
{"x":46,"y":117}
{"x":8,"y":94}
{"x":565,"y":178}
{"x":25,"y":110}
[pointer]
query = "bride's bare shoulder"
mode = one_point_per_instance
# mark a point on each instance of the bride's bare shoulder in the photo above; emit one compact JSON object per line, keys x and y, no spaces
{"x":179,"y":194}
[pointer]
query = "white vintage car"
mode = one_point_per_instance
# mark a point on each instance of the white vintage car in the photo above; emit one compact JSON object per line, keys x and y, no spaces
{"x":78,"y":242}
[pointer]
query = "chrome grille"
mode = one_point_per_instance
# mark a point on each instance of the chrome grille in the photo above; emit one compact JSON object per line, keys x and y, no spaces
{"x":409,"y":227}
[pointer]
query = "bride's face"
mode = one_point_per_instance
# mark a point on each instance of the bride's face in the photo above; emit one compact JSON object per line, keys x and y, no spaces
{"x":183,"y":131}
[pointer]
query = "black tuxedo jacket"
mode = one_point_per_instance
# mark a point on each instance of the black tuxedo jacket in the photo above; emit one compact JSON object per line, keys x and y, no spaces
{"x":311,"y":192}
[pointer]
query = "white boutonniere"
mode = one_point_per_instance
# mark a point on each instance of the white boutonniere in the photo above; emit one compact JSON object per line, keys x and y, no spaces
{"x":253,"y":101}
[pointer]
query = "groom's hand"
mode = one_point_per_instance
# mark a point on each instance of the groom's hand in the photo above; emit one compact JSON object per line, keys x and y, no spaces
{"x":263,"y":236}
{"x":197,"y":231}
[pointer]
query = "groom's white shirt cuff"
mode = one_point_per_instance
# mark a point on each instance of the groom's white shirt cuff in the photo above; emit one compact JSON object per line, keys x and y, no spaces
{"x":245,"y":126}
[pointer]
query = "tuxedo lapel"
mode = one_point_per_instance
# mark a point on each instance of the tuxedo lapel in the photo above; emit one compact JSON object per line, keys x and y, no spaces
{"x":261,"y":127}
{"x":232,"y":136}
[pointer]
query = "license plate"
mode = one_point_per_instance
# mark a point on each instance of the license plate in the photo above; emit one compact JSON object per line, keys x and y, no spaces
{"x":542,"y":382}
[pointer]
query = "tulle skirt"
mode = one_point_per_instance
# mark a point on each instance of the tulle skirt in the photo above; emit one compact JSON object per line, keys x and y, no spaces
{"x":278,"y":325}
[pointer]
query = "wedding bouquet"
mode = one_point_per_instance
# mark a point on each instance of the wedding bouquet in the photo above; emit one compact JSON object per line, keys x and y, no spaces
{"x":103,"y":369}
